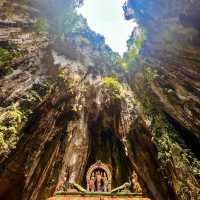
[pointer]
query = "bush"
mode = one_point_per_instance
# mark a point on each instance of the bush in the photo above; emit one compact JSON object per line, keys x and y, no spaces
{"x":5,"y":55}
{"x":134,"y":46}
{"x":122,"y":63}
{"x":113,"y":84}
{"x":150,"y":74}
{"x":9,"y":124}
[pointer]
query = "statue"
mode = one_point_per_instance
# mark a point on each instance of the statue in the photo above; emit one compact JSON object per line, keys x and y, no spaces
{"x":136,"y":186}
{"x":105,"y":181}
{"x":79,"y":188}
{"x":126,"y":186}
{"x":99,"y":178}
{"x":92,"y":183}
{"x":98,"y":181}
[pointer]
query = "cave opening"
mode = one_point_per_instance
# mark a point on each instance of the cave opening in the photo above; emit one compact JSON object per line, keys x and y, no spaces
{"x":105,"y":146}
{"x":107,"y":18}
{"x":69,"y":101}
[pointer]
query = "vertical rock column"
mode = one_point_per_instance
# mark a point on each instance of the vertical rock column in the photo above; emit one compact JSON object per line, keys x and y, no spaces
{"x":76,"y":152}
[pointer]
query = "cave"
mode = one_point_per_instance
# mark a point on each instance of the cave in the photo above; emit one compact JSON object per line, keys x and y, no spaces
{"x":99,"y":99}
{"x":104,"y":145}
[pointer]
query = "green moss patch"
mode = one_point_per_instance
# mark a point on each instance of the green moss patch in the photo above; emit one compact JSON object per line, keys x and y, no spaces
{"x":6,"y":57}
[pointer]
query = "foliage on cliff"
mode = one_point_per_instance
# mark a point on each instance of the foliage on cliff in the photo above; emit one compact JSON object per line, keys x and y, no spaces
{"x":10,"y":122}
{"x":5,"y":58}
{"x":113,"y":84}
{"x":48,"y":153}
{"x":173,"y":153}
{"x":134,"y":45}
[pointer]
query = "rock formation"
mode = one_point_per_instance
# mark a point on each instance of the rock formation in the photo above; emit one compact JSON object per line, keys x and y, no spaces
{"x":65,"y":103}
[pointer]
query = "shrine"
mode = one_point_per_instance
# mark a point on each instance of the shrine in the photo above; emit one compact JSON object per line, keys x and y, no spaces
{"x":99,"y":178}
{"x":99,"y":187}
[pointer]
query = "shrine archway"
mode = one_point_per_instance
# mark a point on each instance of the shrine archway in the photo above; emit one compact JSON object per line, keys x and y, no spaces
{"x":99,"y":178}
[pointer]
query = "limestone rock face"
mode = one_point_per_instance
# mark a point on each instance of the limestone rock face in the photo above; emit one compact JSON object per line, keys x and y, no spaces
{"x":167,"y":84}
{"x":65,"y":112}
{"x":172,"y":48}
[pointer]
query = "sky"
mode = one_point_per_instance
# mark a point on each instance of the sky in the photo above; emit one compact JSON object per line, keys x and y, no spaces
{"x":106,"y":17}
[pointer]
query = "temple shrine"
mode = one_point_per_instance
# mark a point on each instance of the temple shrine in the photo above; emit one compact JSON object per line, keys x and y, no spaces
{"x":99,"y":187}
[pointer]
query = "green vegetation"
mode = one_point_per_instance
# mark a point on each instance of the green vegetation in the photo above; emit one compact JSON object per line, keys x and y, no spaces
{"x":122,"y":63}
{"x":13,"y":117}
{"x":134,"y":46}
{"x":172,"y":151}
{"x":150,"y":74}
{"x":63,"y":74}
{"x":4,"y":71}
{"x":142,"y":82}
{"x":9,"y":124}
{"x":194,"y":163}
{"x":66,"y":76}
{"x":113,"y":84}
{"x":139,"y":40}
{"x":41,"y":26}
{"x":41,"y":88}
{"x":67,"y":79}
{"x":171,"y":148}
{"x":33,"y":97}
{"x":6,"y":57}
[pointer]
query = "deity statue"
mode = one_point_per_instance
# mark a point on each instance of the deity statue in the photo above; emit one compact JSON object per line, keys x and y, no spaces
{"x":98,"y":181}
{"x":136,"y":186}
{"x":124,"y":187}
{"x":105,"y":181}
{"x":79,"y":188}
{"x":102,"y":183}
{"x":70,"y":187}
{"x":92,"y":183}
{"x":99,"y":178}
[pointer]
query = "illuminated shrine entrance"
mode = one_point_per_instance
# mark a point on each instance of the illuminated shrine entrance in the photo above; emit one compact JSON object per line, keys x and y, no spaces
{"x":99,"y":178}
{"x":99,"y":186}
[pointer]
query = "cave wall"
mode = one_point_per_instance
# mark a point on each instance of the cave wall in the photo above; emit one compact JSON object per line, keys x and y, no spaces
{"x":166,"y":81}
{"x":173,"y":52}
{"x":70,"y":118}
